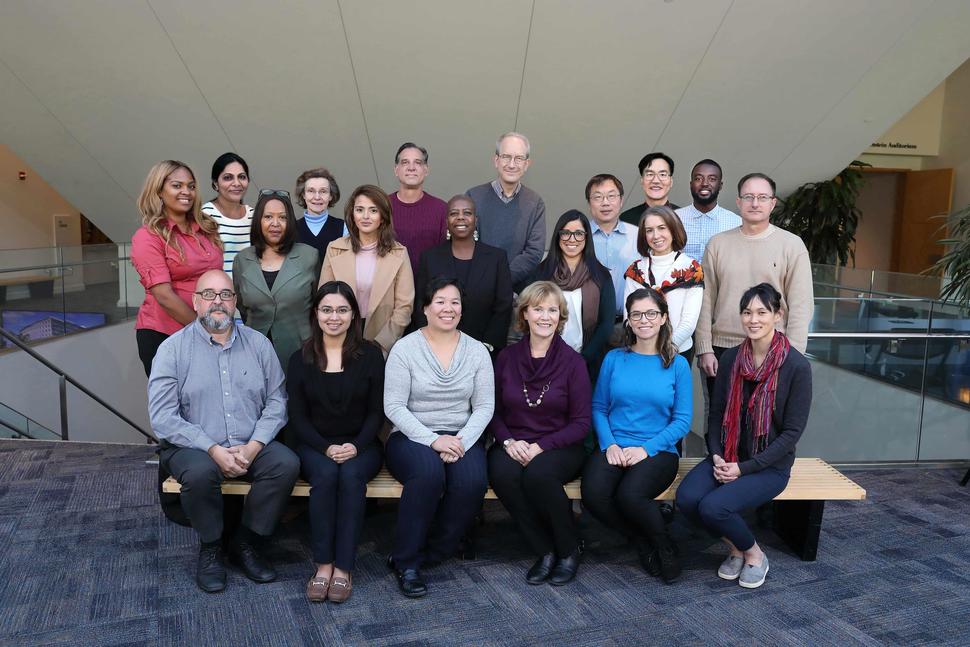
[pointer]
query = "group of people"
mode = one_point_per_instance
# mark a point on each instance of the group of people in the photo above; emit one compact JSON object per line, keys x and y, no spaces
{"x":433,"y":338}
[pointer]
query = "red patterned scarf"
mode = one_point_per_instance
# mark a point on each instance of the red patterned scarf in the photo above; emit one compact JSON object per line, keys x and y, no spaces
{"x":762,"y":401}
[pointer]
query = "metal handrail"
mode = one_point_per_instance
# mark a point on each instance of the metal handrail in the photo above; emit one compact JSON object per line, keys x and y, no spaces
{"x":63,"y":379}
{"x":894,"y":295}
{"x":889,"y":335}
{"x":14,"y":429}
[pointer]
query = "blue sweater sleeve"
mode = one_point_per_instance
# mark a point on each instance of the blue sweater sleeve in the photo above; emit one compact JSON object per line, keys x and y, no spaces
{"x":680,"y":414}
{"x":601,"y":402}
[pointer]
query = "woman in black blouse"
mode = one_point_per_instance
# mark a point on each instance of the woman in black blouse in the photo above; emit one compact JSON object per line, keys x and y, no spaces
{"x":481,"y":270}
{"x":336,"y":406}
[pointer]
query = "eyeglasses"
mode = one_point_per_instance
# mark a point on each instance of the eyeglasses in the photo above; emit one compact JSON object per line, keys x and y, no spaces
{"x":609,"y":197}
{"x":276,"y":192}
{"x":210,"y":294}
{"x":518,"y":159}
{"x":649,"y":315}
{"x":579,"y":235}
{"x":327,"y":311}
{"x":652,"y":175}
{"x":324,"y":191}
{"x":761,"y":197}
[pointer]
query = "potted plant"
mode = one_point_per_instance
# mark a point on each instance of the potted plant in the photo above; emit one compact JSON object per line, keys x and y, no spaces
{"x":825,"y":215}
{"x":954,"y":266}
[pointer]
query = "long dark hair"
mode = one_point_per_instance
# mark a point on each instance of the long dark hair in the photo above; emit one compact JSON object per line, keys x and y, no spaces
{"x":256,"y":238}
{"x":313,"y":351}
{"x":665,"y":344}
{"x":554,"y":258}
{"x":385,"y":231}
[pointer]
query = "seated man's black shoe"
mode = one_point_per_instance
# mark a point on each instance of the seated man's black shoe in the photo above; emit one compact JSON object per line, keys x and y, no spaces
{"x":410,"y":582}
{"x":541,"y":570}
{"x":210,"y":573}
{"x":243,"y":555}
{"x":565,"y":569}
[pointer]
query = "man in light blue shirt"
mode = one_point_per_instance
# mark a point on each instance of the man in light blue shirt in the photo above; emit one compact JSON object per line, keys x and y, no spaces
{"x":216,"y":402}
{"x":704,"y":217}
{"x":615,"y":241}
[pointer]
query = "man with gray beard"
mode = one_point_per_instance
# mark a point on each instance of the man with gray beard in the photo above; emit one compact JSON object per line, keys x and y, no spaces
{"x":216,"y":401}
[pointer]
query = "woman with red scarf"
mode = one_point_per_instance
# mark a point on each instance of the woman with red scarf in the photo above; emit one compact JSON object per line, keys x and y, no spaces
{"x":759,"y":409}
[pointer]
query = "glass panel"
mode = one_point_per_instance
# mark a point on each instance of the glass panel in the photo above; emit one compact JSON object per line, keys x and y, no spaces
{"x":844,"y":313}
{"x":11,"y":423}
{"x":39,"y":432}
{"x":866,"y":400}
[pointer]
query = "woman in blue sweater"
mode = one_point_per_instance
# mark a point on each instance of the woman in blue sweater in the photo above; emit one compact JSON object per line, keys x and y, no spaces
{"x":638,"y":429}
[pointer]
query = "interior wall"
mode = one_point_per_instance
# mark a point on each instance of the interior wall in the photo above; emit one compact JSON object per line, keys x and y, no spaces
{"x":955,"y":137}
{"x":27,"y":206}
{"x":874,"y":236}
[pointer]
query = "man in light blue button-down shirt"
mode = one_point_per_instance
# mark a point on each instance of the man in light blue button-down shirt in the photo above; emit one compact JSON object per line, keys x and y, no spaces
{"x":216,"y":402}
{"x":615,"y":241}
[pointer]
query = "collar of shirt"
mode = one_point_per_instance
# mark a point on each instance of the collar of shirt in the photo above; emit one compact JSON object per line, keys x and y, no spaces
{"x":497,"y":187}
{"x":697,"y":213}
{"x":207,"y":336}
{"x":193,"y":225}
{"x":620,"y":228}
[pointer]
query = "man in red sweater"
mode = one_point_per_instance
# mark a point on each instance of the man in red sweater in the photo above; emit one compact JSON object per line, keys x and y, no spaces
{"x":419,"y":218}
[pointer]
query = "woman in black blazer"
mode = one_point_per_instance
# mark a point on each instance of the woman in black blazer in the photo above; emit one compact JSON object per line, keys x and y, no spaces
{"x":572,"y":265}
{"x":481,"y":270}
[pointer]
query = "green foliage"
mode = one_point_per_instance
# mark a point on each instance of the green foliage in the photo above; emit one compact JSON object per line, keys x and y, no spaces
{"x":825,"y":215}
{"x":955,"y":264}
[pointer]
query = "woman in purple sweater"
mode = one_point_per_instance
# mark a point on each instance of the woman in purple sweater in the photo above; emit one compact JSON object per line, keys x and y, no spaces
{"x":542,"y":415}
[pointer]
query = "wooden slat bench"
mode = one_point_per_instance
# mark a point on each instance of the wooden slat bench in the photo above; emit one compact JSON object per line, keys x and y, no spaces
{"x":797,"y":515}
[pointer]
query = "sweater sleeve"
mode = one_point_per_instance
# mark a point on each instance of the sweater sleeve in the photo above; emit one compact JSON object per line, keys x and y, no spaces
{"x":579,"y":415}
{"x":702,"y":333}
{"x":483,"y":397}
{"x":681,"y":412}
{"x":605,"y":317}
{"x":800,"y":297}
{"x":525,"y":261}
{"x":397,"y":391}
{"x":602,"y":401}
{"x":298,"y":406}
{"x":798,"y":403}
{"x":693,"y":300}
{"x":496,"y":333}
{"x":497,"y":426}
{"x":375,"y":395}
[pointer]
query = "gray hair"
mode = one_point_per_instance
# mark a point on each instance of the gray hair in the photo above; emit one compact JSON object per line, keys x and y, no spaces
{"x":512,"y":133}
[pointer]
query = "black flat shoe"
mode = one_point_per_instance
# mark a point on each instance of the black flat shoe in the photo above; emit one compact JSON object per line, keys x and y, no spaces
{"x":541,"y":570}
{"x":210,"y":573}
{"x":245,"y":557}
{"x":410,"y":582}
{"x":669,"y":562}
{"x":649,"y":558}
{"x":565,"y":569}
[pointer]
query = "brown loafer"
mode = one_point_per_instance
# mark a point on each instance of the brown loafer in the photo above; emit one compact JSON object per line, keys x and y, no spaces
{"x":340,"y":590}
{"x":317,"y":589}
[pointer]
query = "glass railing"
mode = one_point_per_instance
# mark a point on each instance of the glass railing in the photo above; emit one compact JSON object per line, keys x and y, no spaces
{"x":51,"y":292}
{"x":14,"y":424}
{"x":876,"y":282}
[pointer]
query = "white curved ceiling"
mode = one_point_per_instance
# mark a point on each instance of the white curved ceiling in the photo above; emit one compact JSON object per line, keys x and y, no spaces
{"x":92,"y":93}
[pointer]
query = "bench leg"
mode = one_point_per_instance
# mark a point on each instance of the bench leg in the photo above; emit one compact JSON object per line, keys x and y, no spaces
{"x":798,"y":523}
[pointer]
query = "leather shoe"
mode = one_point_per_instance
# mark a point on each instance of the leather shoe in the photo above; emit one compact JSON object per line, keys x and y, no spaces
{"x":649,"y":558}
{"x":669,"y":563}
{"x":410,"y":582}
{"x":541,"y":570}
{"x":210,"y":573}
{"x":565,"y":569}
{"x":253,"y":566}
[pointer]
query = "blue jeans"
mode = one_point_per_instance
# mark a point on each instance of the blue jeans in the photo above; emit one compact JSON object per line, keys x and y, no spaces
{"x":439,"y":499}
{"x":718,"y":506}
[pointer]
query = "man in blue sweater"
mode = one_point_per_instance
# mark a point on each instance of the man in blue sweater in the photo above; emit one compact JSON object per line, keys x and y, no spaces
{"x":511,"y":216}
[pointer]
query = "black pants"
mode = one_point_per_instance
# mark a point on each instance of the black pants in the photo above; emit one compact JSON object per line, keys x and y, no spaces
{"x":439,"y":499}
{"x":148,"y":342}
{"x":534,"y":497}
{"x":623,"y":497}
{"x":272,"y":474}
{"x":337,"y":502}
{"x":688,"y":355}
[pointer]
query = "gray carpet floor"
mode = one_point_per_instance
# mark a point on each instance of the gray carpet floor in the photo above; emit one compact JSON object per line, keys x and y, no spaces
{"x":87,"y":558}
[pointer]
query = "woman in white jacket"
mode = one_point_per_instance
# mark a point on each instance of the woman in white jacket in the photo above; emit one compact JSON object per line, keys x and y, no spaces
{"x":665,"y":268}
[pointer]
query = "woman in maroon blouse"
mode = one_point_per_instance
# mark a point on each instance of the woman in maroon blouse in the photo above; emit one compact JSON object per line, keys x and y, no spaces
{"x":542,"y":415}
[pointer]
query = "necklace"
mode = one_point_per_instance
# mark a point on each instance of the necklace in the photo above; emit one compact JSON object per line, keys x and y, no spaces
{"x":533,"y":405}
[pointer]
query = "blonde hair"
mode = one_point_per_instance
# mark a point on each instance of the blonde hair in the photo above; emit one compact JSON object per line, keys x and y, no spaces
{"x":535,"y":294}
{"x":153,"y":210}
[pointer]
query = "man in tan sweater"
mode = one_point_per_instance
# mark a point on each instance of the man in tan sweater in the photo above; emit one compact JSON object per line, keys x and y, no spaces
{"x":756,"y":252}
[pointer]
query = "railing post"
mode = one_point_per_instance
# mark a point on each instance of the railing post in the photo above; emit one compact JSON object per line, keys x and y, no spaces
{"x":62,"y":388}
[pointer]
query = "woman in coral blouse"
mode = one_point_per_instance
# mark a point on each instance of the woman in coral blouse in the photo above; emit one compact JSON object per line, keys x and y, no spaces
{"x":175,"y":245}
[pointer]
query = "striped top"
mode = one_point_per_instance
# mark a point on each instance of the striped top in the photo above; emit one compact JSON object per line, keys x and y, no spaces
{"x":234,"y":233}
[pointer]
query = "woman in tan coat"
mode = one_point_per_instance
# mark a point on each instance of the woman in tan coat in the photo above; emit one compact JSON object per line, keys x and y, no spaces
{"x":371,"y":261}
